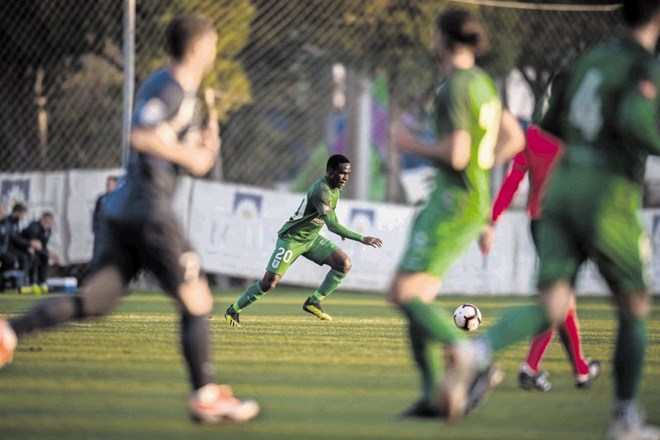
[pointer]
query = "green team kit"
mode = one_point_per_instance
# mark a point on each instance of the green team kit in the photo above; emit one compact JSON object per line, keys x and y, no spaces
{"x":606,"y":115}
{"x":458,"y":207}
{"x":300,"y":235}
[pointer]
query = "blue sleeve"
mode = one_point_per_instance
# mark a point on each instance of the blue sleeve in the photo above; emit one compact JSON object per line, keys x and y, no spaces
{"x":157,"y":101}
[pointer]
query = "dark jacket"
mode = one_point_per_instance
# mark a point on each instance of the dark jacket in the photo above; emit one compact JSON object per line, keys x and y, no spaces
{"x":98,"y":212}
{"x":16,"y":241}
{"x":35,"y":231}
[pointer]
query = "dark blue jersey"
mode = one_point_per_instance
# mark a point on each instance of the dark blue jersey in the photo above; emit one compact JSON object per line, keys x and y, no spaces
{"x":150,"y":182}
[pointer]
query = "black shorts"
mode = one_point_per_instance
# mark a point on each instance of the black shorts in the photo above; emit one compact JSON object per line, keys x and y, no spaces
{"x":157,"y":245}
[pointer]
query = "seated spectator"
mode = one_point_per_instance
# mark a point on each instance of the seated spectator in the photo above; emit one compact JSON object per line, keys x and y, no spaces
{"x":6,"y":262}
{"x":19,"y":250}
{"x":40,"y":230}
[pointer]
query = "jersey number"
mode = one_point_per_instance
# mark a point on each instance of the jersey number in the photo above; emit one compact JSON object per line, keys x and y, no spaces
{"x":301,"y":209}
{"x":282,"y":255}
{"x":489,"y":119}
{"x":585,"y":112}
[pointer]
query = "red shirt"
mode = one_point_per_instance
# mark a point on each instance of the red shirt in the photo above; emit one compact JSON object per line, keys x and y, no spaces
{"x":538,"y":158}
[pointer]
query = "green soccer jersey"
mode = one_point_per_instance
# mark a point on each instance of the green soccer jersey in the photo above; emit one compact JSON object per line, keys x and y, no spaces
{"x":306,"y":223}
{"x":606,"y":111}
{"x":468,"y":101}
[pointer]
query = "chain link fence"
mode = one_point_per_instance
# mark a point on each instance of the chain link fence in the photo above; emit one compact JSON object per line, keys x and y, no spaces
{"x":285,"y":70}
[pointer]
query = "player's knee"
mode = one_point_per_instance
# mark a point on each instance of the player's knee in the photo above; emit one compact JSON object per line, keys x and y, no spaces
{"x":196,"y":298}
{"x":556,"y":301}
{"x":636,"y":305}
{"x":345,"y":265}
{"x":395,"y":295}
{"x":269,"y":282}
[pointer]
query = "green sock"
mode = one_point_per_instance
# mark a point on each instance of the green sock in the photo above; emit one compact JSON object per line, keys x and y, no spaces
{"x":629,"y":357}
{"x":250,"y":295}
{"x":438,"y":324}
{"x":427,"y":358}
{"x":517,"y":324}
{"x":332,"y":280}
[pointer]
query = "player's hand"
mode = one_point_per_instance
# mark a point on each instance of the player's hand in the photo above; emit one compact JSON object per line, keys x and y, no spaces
{"x":401,"y":137}
{"x":211,"y":136}
{"x":211,"y":140}
{"x":372,"y":241}
{"x":486,"y":239}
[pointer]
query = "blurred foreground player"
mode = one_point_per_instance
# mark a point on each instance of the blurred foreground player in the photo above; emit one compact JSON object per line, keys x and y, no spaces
{"x":474,"y":133}
{"x":606,"y":115}
{"x":140,"y":230}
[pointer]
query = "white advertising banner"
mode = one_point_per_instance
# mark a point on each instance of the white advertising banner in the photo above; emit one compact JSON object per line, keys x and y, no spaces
{"x":234,"y":229}
{"x":84,"y":188}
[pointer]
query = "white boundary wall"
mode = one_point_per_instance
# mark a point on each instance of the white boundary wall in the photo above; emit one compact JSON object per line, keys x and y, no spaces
{"x":234,"y":227}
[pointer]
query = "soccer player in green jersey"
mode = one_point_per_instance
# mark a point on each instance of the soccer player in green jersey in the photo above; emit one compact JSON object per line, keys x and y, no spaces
{"x":300,"y":236}
{"x":474,"y":133}
{"x":606,"y":114}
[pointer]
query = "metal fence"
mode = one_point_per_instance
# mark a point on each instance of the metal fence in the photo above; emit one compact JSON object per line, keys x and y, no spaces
{"x":289,"y":72}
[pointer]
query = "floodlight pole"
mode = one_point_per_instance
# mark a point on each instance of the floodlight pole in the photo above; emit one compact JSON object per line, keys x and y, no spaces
{"x":129,"y":76}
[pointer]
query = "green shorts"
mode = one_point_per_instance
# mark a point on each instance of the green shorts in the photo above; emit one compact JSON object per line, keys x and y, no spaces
{"x":593,"y":214}
{"x":441,"y":233}
{"x":288,"y":250}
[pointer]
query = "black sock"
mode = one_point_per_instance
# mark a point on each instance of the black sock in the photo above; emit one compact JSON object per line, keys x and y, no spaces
{"x":49,"y":313}
{"x":196,"y":346}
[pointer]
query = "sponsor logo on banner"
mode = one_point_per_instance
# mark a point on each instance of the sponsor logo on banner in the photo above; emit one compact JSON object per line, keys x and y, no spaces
{"x":247,"y":205}
{"x":14,"y":191}
{"x":362,"y":219}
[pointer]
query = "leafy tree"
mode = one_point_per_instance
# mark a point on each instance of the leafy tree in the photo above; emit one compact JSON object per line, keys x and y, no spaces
{"x":63,"y":68}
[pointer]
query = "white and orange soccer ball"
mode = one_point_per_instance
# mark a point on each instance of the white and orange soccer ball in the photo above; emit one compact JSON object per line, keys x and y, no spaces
{"x":467,"y":317}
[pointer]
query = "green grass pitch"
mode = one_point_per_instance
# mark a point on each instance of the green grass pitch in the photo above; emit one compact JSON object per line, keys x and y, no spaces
{"x":122,"y":377}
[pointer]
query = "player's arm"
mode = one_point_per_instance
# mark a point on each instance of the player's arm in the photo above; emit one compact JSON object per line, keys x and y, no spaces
{"x":503,"y":200}
{"x":510,"y":138}
{"x":637,"y":114}
{"x":330,"y":220}
{"x":509,"y":186}
{"x":162,"y":142}
{"x":453,"y":149}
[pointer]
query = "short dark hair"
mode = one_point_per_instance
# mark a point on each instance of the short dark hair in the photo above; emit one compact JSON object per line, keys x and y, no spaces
{"x":460,"y":26}
{"x":112,"y":179}
{"x":47,"y":214}
{"x":335,"y":160}
{"x":183,"y":31}
{"x":639,"y":12}
{"x":18,"y":207}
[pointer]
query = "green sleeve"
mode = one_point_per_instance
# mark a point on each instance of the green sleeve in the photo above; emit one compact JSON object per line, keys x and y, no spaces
{"x":637,"y":115}
{"x":320,"y":198}
{"x":334,"y":226}
{"x":453,"y":108}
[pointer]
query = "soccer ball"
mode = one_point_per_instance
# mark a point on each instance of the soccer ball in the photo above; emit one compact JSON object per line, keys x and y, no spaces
{"x":467,"y":317}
